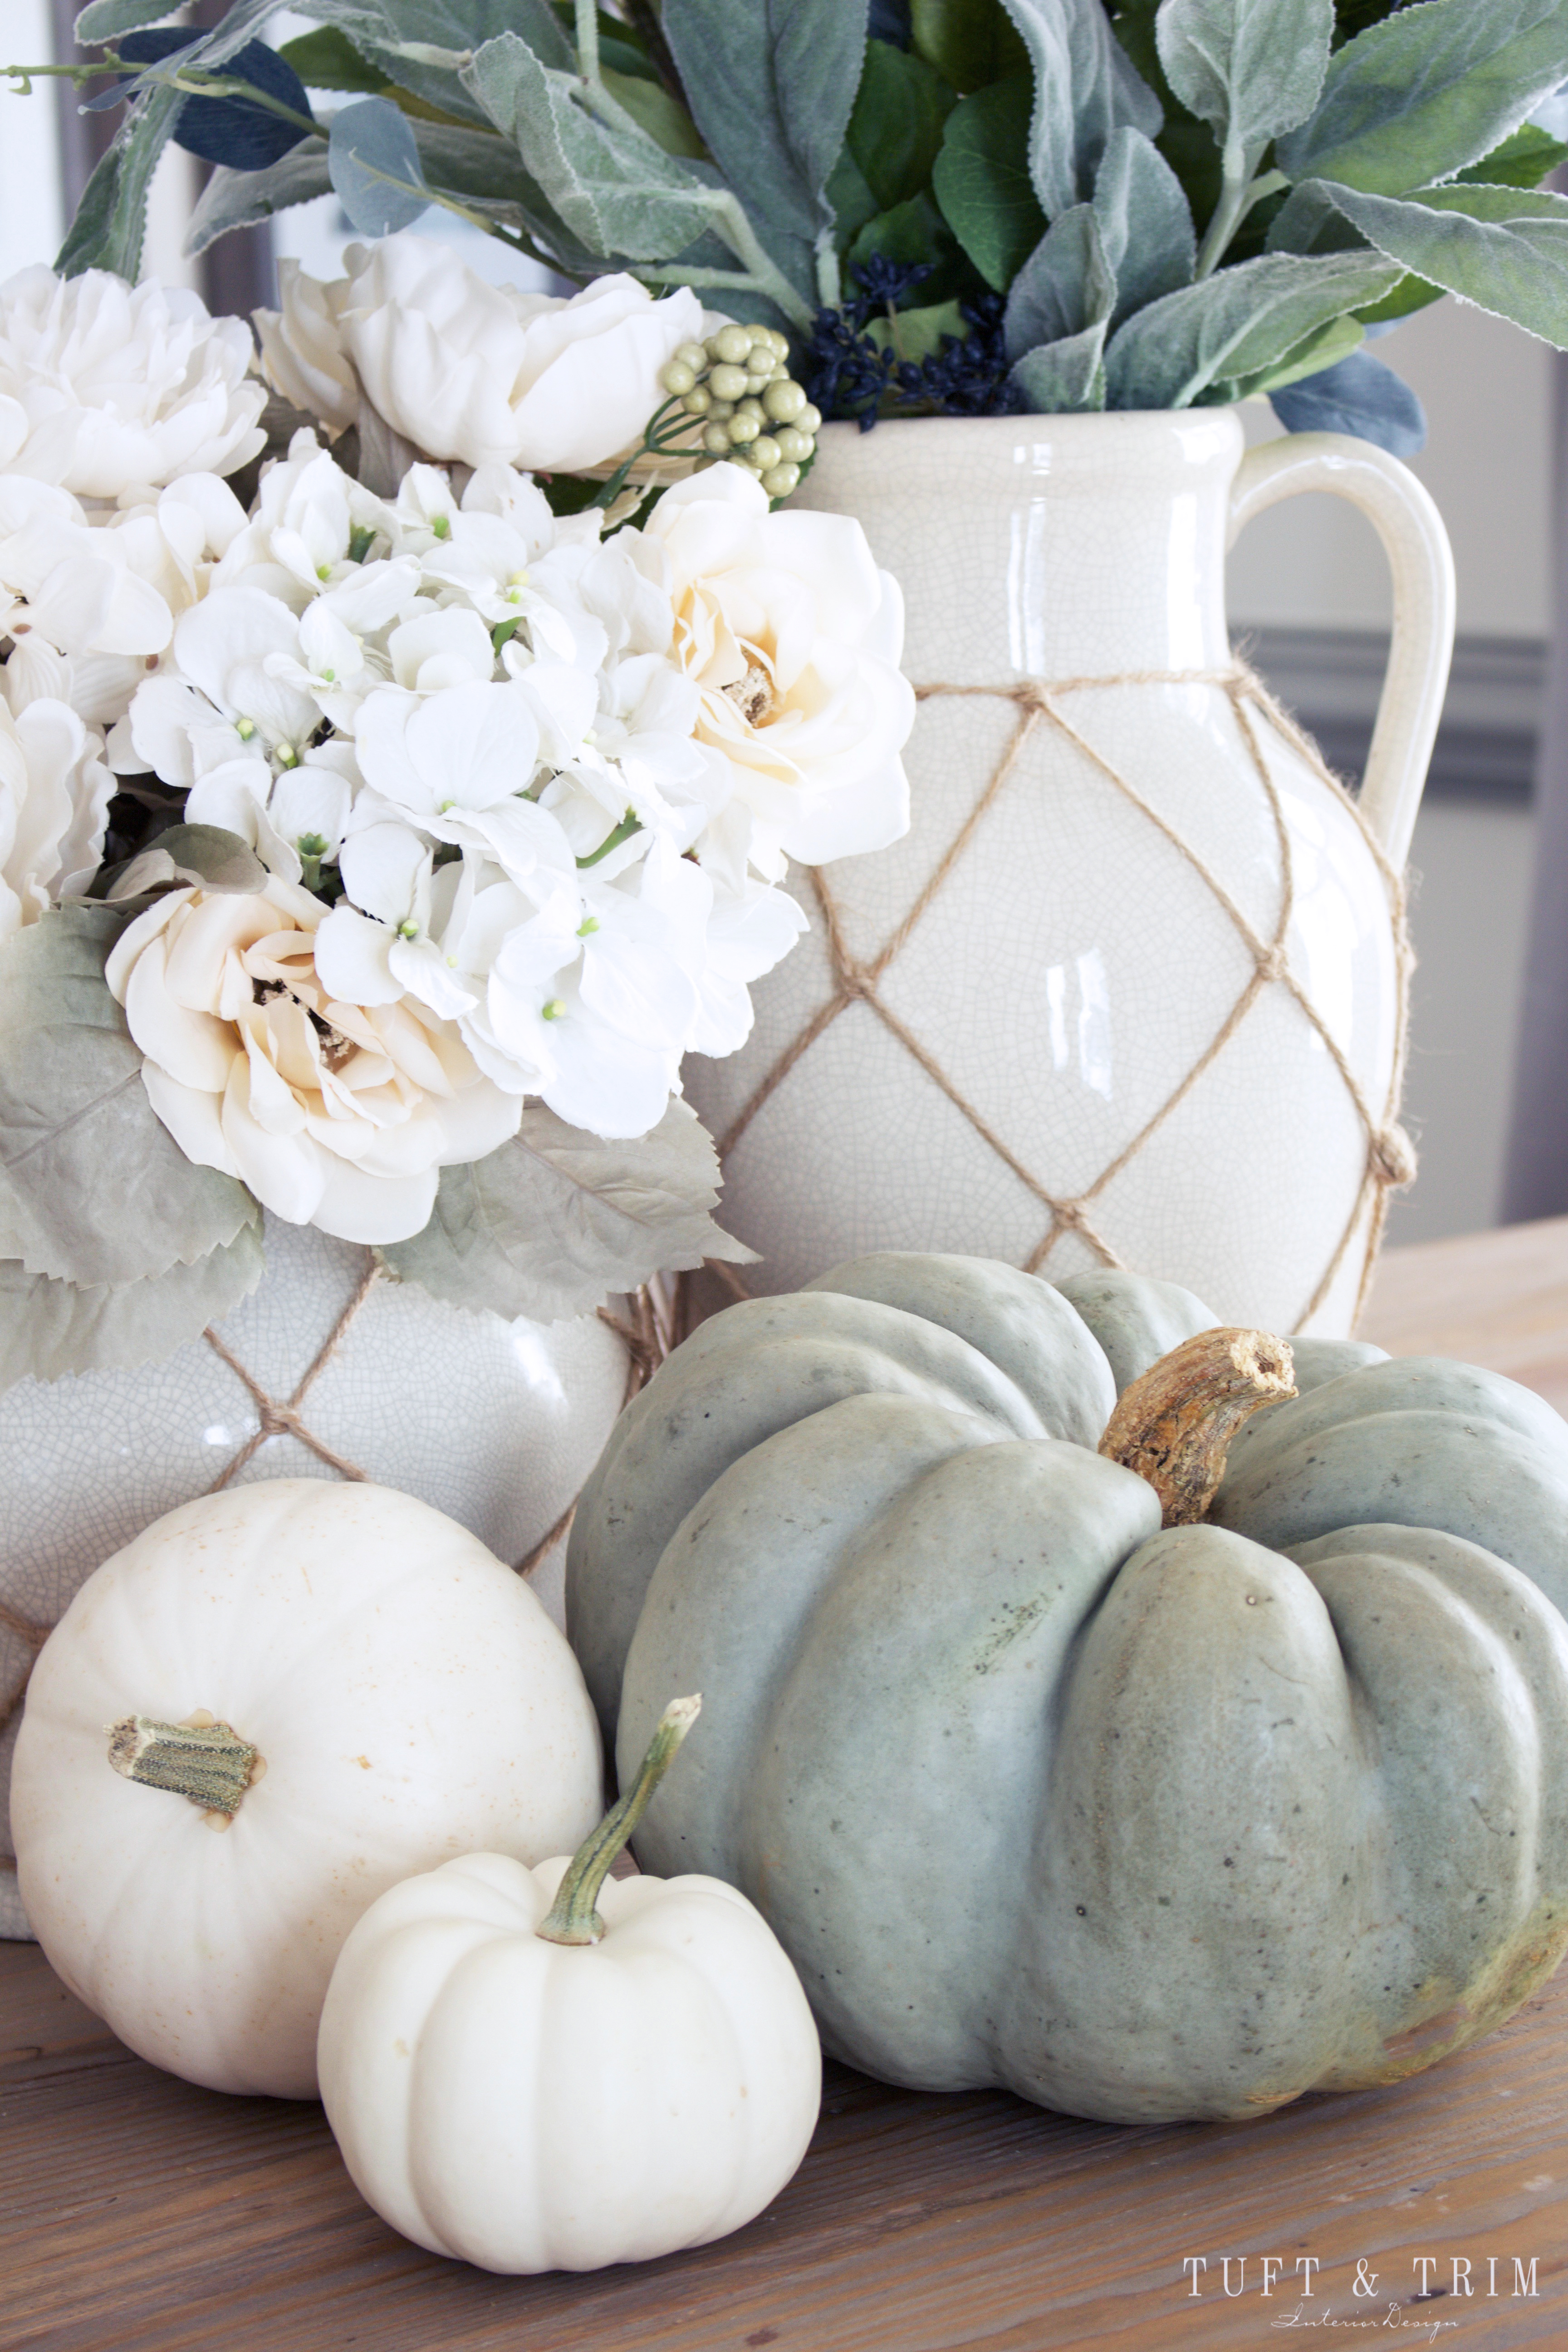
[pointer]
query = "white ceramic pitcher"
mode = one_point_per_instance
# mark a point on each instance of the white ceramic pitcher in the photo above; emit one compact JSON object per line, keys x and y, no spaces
{"x":1133,"y":987}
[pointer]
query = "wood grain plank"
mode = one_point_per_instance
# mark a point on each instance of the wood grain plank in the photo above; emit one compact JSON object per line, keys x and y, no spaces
{"x":1498,"y":1299}
{"x":137,"y":2212}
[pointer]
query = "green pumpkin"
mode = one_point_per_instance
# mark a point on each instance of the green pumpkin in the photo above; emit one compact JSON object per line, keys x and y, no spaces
{"x":1144,"y":1822}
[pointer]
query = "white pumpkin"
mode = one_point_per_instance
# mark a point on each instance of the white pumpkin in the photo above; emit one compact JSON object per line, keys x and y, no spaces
{"x":406,"y":1698}
{"x":531,"y":2094}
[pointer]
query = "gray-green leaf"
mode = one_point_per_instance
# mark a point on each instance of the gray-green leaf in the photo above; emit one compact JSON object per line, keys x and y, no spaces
{"x":1429,"y":90}
{"x":771,"y":85}
{"x":1504,"y":249}
{"x":1065,"y":285}
{"x":1145,"y":223}
{"x":375,"y":167}
{"x":105,"y":20}
{"x":1235,"y":324}
{"x":617,"y":191}
{"x":238,"y":199}
{"x":207,"y":854}
{"x":1069,"y":374}
{"x":545,"y":1226}
{"x":49,"y":1328}
{"x":1085,"y":88}
{"x":94,"y":1188}
{"x":1249,"y":68}
{"x":111,"y":217}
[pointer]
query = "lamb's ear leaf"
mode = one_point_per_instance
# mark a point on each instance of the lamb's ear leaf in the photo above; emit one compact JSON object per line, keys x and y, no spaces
{"x":617,"y":191}
{"x":1145,"y":223}
{"x":1504,"y":249}
{"x":106,"y":20}
{"x":1249,"y":68}
{"x":1066,"y":285}
{"x":771,"y":89}
{"x":1056,"y":379}
{"x":549,"y":1223}
{"x":79,"y":1135}
{"x":111,"y":217}
{"x":1086,"y":87}
{"x":1427,"y":91}
{"x":1244,"y":318}
{"x":238,"y":199}
{"x":48,"y":1329}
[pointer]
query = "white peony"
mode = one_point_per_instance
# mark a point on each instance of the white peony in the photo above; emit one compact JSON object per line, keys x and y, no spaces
{"x":302,"y":347}
{"x":484,"y":373}
{"x":55,"y":791}
{"x":106,"y":387}
{"x":336,"y":1115}
{"x":794,"y":637}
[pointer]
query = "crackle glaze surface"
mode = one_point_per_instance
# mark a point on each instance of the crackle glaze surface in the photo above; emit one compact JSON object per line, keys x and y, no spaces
{"x":495,"y":1422}
{"x":1075,"y":965}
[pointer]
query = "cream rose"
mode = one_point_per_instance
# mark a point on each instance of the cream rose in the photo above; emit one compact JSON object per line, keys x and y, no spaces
{"x":794,"y":637}
{"x":466,"y":370}
{"x":105,"y":387}
{"x":334,"y":1115}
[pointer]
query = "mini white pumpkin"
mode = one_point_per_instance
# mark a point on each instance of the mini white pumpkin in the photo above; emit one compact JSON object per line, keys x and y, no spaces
{"x":517,"y":2081}
{"x":403,"y":1692}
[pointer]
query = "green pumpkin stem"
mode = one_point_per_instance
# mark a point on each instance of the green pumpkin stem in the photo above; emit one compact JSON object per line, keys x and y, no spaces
{"x":1175,"y":1425}
{"x":572,"y":1918}
{"x":204,"y":1760}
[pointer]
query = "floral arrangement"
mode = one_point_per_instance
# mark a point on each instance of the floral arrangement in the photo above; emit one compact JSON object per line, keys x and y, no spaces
{"x":374,"y":846}
{"x":953,"y":206}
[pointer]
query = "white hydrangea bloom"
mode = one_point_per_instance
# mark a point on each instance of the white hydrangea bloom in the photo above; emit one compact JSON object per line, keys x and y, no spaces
{"x":106,"y":387}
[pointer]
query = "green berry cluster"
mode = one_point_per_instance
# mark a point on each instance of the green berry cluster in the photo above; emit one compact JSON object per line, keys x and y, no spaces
{"x":752,"y":410}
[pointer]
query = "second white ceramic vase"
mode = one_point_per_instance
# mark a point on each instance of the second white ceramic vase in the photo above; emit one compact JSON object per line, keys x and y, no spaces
{"x":321,"y":1373}
{"x":1131,"y":989}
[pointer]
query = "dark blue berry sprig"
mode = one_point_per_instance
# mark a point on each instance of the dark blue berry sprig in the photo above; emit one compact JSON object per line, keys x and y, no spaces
{"x":850,"y":376}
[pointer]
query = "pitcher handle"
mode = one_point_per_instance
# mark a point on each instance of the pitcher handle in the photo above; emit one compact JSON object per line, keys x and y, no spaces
{"x":1422,"y":563}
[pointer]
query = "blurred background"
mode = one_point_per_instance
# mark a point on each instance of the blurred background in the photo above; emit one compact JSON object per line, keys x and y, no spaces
{"x":1487,"y":1093}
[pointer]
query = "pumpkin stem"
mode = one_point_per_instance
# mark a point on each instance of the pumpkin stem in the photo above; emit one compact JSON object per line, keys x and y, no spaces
{"x":572,"y":1918}
{"x":203,"y":1759}
{"x":1175,"y":1425}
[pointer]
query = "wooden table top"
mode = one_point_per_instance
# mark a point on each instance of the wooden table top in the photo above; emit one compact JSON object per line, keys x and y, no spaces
{"x":139,"y":2214}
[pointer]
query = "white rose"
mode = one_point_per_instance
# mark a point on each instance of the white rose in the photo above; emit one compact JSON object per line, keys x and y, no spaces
{"x":106,"y":387}
{"x":55,"y":791}
{"x":794,"y":637}
{"x":484,"y":373}
{"x":340,"y":1116}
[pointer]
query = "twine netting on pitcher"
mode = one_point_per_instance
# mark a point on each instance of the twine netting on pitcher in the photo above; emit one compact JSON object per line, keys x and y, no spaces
{"x":649,"y":1337}
{"x":1390,"y":1157}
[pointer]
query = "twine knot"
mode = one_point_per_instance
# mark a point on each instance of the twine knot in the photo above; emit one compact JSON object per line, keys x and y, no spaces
{"x":1274,"y":965}
{"x":855,"y":982}
{"x":1393,"y":1156}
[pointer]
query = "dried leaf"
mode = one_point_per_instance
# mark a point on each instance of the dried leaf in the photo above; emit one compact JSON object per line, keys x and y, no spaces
{"x":94,"y":1187}
{"x":49,"y":1328}
{"x":545,"y":1226}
